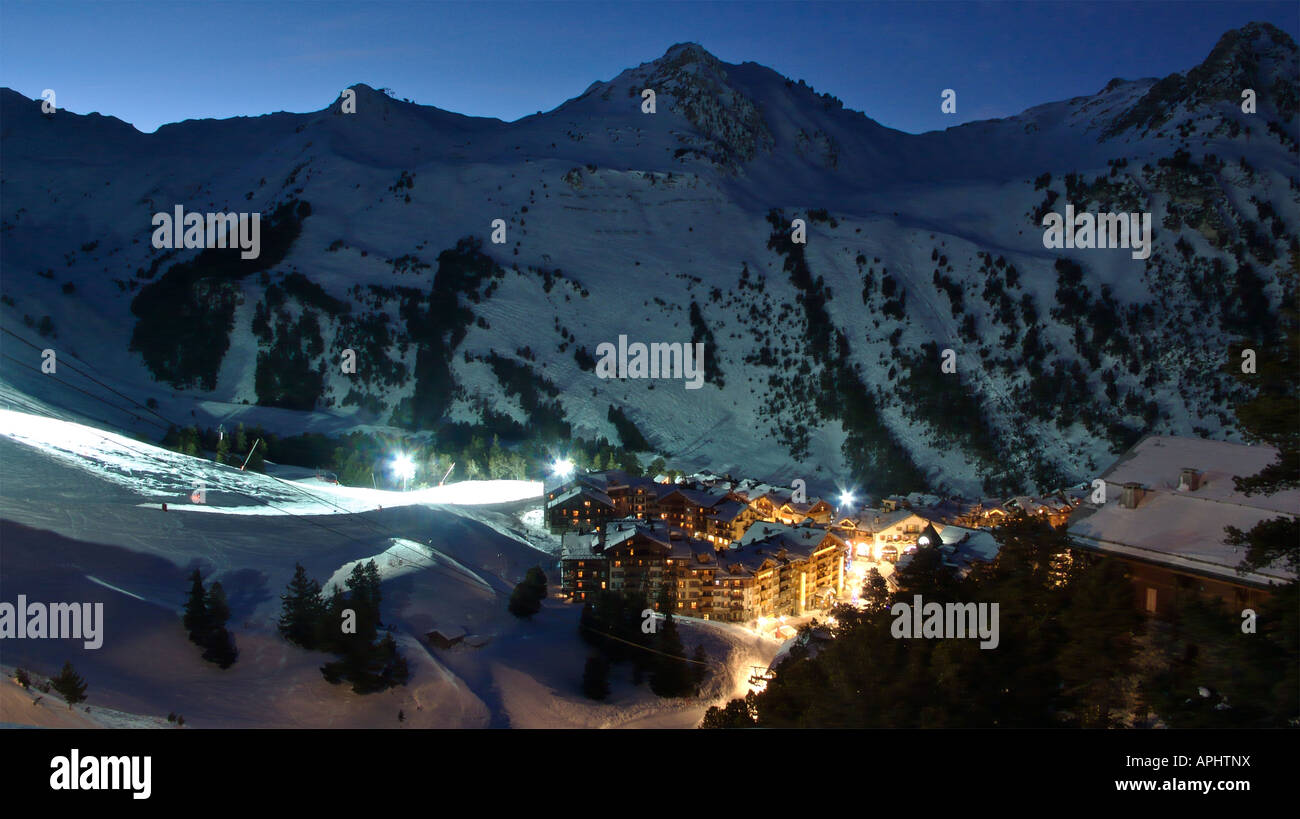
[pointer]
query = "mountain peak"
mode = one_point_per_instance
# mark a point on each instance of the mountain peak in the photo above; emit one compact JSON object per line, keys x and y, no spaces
{"x":696,"y":86}
{"x":1258,"y":56}
{"x":685,"y":53}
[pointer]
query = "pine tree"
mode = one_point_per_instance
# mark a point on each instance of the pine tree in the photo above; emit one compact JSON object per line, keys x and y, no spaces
{"x":223,"y":448}
{"x":218,"y":608}
{"x":1272,"y":415}
{"x":670,"y":674}
{"x":363,"y":598}
{"x":876,"y":591}
{"x":664,"y":600}
{"x":537,"y":579}
{"x":523,"y":601}
{"x":302,"y":609}
{"x":589,"y":625}
{"x":196,"y":608}
{"x":218,"y":642}
{"x":595,"y":677}
{"x":1096,"y":656}
{"x":526,"y":599}
{"x":69,"y":684}
{"x":700,"y":669}
{"x":396,"y":671}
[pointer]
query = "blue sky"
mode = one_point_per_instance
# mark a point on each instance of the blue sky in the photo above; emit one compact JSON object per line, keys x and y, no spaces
{"x":151,"y":63}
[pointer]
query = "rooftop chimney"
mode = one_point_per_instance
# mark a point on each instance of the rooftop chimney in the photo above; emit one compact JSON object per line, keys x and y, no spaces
{"x":1189,"y":479}
{"x":1132,"y":494}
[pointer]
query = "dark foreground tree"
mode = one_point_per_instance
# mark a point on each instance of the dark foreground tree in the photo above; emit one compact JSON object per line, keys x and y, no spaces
{"x":302,"y":608}
{"x":196,"y":608}
{"x":218,"y":642}
{"x":595,"y":677}
{"x":69,"y":684}
{"x":205,"y":618}
{"x":671,"y":675}
{"x":526,"y":599}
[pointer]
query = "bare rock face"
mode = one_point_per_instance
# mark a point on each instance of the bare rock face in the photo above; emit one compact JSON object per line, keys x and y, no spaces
{"x":695,"y":85}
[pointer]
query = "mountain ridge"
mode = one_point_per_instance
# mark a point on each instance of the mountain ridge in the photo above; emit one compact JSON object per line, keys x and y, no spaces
{"x":619,"y":221}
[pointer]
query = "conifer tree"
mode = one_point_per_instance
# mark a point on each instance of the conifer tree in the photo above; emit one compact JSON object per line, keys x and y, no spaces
{"x":196,"y":608}
{"x":670,"y":675}
{"x":700,"y":669}
{"x":218,"y":643}
{"x":69,"y":684}
{"x":526,"y":599}
{"x":589,"y":625}
{"x":523,"y":601}
{"x":536,"y":578}
{"x":302,"y":608}
{"x":876,"y":591}
{"x":218,"y":608}
{"x":595,"y":677}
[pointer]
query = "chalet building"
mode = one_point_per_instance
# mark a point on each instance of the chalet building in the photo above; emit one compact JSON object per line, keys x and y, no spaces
{"x":579,"y":508}
{"x":1054,"y":509}
{"x":729,"y":521}
{"x":1167,"y":502}
{"x":962,"y":548}
{"x":637,"y":558}
{"x":948,"y":511}
{"x":689,"y":509}
{"x":794,"y":568}
{"x":590,"y":500}
{"x":766,"y":500}
{"x":816,"y":510}
{"x":584,"y":572}
{"x":776,"y":569}
{"x":880,"y":534}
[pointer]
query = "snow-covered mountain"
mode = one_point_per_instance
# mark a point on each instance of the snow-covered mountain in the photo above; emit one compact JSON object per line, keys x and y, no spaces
{"x":672,"y":226}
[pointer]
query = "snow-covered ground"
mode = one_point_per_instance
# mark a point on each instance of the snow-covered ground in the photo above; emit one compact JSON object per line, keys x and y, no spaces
{"x":75,"y":526}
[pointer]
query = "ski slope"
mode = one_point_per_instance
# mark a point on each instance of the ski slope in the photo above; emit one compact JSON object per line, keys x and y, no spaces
{"x":81,"y":521}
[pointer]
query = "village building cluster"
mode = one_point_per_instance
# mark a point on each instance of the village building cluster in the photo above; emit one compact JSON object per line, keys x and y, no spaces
{"x":718,"y":548}
{"x":739,"y":550}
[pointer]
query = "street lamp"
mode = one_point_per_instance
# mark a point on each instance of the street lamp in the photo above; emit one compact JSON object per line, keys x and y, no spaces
{"x":403,"y":467}
{"x":562,"y":468}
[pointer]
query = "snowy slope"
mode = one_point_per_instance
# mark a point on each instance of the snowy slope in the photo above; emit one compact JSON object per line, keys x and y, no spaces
{"x":80,"y":521}
{"x":617,"y":221}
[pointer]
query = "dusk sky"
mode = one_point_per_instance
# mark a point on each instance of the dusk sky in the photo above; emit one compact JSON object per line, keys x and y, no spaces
{"x":152,"y":63}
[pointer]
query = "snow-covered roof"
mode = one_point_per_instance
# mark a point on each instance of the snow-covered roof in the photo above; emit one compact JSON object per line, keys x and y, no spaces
{"x":799,"y":539}
{"x":577,"y":546}
{"x":1183,"y":528}
{"x":729,"y":510}
{"x":1157,"y":462}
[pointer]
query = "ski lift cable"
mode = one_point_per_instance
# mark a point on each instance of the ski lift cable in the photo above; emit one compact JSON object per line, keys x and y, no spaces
{"x":378,"y":527}
{"x":67,"y":355}
{"x":305,"y":519}
{"x":645,"y":648}
{"x":191,"y":475}
{"x":80,"y":390}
